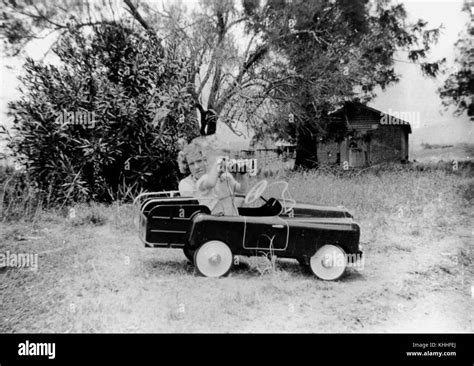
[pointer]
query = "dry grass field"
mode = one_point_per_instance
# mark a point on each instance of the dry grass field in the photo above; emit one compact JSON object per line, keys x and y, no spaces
{"x":94,"y":275}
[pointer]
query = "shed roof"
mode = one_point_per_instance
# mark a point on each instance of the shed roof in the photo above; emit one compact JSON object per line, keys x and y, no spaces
{"x":372,"y":119}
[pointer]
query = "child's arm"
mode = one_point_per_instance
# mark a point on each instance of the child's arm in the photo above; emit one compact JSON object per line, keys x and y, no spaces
{"x":239,"y":185}
{"x":242,"y":183}
{"x":209,"y":179}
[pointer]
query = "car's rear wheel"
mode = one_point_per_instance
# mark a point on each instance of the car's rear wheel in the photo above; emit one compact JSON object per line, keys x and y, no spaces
{"x":213,"y":259}
{"x":329,"y":262}
{"x":189,"y":254}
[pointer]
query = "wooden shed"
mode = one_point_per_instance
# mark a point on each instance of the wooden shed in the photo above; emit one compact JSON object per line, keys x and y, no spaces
{"x":373,"y":137}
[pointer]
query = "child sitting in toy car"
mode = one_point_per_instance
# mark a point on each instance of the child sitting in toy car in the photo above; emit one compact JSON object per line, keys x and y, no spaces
{"x":209,"y":181}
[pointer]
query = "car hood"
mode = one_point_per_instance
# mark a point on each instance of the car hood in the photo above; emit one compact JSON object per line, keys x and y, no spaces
{"x":314,"y":211}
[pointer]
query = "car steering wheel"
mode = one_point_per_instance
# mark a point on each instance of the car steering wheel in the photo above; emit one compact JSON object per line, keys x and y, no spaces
{"x":255,"y":192}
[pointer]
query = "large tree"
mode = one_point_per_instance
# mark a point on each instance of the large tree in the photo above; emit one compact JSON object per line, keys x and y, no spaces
{"x":294,"y":61}
{"x":333,"y":52}
{"x":222,"y":56}
{"x":458,"y":89}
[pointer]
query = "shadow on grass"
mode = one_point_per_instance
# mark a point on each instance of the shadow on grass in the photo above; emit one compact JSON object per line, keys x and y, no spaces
{"x":168,"y":266}
{"x":352,"y":276}
{"x":244,"y":270}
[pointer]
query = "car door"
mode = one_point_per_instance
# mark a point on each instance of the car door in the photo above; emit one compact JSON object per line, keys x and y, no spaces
{"x":266,"y":233}
{"x":167,"y":224}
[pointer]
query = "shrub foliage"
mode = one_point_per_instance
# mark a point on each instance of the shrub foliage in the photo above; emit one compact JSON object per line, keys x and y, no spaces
{"x":128,"y":90}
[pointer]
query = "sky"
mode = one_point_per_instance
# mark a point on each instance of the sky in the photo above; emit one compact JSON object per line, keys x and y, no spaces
{"x":415,"y":95}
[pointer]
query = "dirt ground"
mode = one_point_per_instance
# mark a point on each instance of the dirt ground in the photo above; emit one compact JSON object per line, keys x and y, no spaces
{"x":101,"y":279}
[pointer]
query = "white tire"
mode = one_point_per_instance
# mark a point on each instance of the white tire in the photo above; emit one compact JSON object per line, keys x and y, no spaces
{"x":213,"y":259}
{"x":329,"y":262}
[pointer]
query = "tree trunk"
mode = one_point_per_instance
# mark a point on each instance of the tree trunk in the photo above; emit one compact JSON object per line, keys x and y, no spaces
{"x":306,"y":150}
{"x":208,"y":120}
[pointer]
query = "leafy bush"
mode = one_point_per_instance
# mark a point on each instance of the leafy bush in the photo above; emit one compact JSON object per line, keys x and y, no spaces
{"x":136,"y":92}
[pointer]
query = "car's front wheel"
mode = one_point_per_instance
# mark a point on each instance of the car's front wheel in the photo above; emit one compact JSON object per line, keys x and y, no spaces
{"x":329,"y":262}
{"x":213,"y":259}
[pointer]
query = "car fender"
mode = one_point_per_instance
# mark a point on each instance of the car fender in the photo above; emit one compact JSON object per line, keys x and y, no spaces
{"x":205,"y":227}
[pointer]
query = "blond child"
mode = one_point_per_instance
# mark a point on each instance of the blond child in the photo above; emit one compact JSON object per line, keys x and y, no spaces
{"x":208,"y":181}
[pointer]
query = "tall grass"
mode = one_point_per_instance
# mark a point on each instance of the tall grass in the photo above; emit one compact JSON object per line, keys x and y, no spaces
{"x":18,"y":197}
{"x":376,"y":193}
{"x":394,"y":208}
{"x":405,"y":191}
{"x":20,"y":200}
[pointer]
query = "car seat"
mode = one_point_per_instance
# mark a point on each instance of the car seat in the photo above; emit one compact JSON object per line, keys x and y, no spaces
{"x":272,"y":207}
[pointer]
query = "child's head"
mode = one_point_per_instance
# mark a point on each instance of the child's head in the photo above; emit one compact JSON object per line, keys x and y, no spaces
{"x":195,"y":155}
{"x":192,"y":160}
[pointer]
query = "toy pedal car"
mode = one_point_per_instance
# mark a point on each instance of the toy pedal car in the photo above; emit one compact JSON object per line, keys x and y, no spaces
{"x":325,"y":238}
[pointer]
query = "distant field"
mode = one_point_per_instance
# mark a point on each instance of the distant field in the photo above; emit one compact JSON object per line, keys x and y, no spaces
{"x":94,"y":275}
{"x":459,"y":152}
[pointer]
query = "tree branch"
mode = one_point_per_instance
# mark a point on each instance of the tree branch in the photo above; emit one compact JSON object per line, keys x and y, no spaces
{"x":134,"y":12}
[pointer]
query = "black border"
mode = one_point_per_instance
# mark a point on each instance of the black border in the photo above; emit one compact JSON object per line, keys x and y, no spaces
{"x":163,"y":349}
